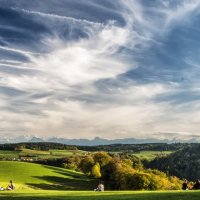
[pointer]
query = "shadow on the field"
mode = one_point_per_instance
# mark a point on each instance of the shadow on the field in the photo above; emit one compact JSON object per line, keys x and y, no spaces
{"x":70,"y":181}
{"x":60,"y":183}
{"x":66,"y":173}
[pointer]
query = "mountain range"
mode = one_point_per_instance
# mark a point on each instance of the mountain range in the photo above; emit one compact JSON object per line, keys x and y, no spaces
{"x":94,"y":142}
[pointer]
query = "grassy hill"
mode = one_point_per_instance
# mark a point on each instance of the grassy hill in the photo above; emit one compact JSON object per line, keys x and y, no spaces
{"x":39,"y":182}
{"x":35,"y":176}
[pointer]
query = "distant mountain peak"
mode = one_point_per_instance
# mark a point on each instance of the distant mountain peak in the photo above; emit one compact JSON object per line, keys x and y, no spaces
{"x":36,"y":139}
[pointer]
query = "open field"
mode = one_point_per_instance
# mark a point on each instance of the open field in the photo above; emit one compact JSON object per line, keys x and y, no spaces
{"x":49,"y":154}
{"x":110,"y":195}
{"x":9,"y":154}
{"x":34,"y":176}
{"x":39,"y":154}
{"x":150,"y":155}
{"x":40,"y":182}
{"x":28,"y":153}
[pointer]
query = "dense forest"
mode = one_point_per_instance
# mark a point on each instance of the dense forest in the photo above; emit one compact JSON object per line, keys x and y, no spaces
{"x":135,"y":147}
{"x":184,"y":163}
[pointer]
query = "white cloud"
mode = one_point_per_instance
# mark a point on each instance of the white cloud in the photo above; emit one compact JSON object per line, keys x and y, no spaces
{"x":180,"y":12}
{"x":54,"y":16}
{"x":70,"y":70}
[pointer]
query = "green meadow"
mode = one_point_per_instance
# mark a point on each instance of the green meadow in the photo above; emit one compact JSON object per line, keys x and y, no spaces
{"x":39,"y":154}
{"x":109,"y":195}
{"x":150,"y":155}
{"x":29,"y":176}
{"x":35,"y":181}
{"x":9,"y":154}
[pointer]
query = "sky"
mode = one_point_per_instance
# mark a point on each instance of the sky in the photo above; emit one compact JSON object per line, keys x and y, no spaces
{"x":109,"y":68}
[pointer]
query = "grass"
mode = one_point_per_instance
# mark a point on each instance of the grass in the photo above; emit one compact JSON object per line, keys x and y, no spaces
{"x":28,"y":153}
{"x":66,"y":152}
{"x":9,"y":154}
{"x":150,"y":155}
{"x":39,"y":154}
{"x":34,"y":176}
{"x":39,"y":182}
{"x":110,"y":195}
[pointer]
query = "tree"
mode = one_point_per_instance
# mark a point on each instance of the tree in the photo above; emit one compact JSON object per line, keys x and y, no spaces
{"x":102,"y":158}
{"x":96,"y":171}
{"x":86,"y":164}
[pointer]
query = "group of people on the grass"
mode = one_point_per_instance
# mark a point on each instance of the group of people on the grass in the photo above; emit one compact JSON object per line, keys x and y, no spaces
{"x":185,"y":186}
{"x":196,"y":186}
{"x":100,"y":187}
{"x":11,"y":186}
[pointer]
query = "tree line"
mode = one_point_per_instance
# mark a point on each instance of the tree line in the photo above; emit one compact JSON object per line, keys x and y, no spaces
{"x":117,"y":171}
{"x":43,"y":146}
{"x":107,"y":148}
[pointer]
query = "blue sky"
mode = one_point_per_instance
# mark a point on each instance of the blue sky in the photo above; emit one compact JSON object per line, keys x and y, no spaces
{"x":113,"y":69}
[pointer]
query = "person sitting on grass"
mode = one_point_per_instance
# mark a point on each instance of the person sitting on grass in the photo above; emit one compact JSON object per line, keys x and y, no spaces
{"x":196,"y":185}
{"x":185,"y":185}
{"x":2,"y":189}
{"x":11,"y":186}
{"x":100,"y":187}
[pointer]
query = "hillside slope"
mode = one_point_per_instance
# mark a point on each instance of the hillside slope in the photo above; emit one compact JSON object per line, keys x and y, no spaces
{"x":184,"y":163}
{"x":35,"y":176}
